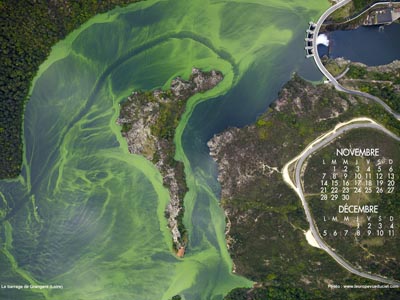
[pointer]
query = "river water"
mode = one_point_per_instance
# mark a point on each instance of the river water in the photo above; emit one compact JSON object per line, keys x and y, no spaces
{"x":368,"y":45}
{"x":89,"y":216}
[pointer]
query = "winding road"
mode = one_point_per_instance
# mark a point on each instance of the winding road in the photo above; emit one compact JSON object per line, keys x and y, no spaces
{"x":328,"y":75}
{"x":298,"y":162}
{"x":322,"y":141}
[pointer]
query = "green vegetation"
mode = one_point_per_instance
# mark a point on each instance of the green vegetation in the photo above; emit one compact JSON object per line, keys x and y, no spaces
{"x":333,"y":67}
{"x":271,"y":293}
{"x":374,"y":73}
{"x":344,"y":17}
{"x":373,"y":252}
{"x":88,"y":215}
{"x":167,"y":117}
{"x":288,"y":292}
{"x":385,"y":91}
{"x":356,"y":71}
{"x":361,"y":4}
{"x":27,"y":32}
{"x":267,"y":240}
{"x":161,"y":111}
{"x":327,"y":104}
{"x":342,"y":13}
{"x":383,"y":82}
{"x":350,"y":9}
{"x":168,"y":120}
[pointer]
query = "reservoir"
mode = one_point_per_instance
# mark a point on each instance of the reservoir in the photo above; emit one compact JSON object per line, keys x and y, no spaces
{"x":367,"y":44}
{"x":88,"y":215}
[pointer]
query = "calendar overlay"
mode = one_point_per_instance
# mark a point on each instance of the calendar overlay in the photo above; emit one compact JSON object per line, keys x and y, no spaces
{"x":352,"y":187}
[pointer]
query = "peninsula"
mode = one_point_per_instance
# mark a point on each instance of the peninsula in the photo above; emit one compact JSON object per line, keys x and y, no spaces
{"x":266,"y":221}
{"x":148,"y":121}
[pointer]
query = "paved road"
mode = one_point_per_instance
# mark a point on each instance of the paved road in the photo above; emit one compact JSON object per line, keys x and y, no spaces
{"x":328,"y":75}
{"x":326,"y":139}
{"x":365,"y":10}
{"x":297,"y":186}
{"x":318,"y":25}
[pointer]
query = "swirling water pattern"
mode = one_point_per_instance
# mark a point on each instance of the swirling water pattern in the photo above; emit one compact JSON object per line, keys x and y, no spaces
{"x":89,"y":216}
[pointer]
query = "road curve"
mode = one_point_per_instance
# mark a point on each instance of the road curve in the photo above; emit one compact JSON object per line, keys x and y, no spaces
{"x":318,"y":25}
{"x":297,"y":186}
{"x":328,"y":75}
{"x":365,"y":10}
{"x":325,"y":139}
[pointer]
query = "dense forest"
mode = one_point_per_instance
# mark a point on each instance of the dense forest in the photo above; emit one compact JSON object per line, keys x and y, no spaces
{"x":360,"y":4}
{"x":28,"y":30}
{"x":267,"y":221}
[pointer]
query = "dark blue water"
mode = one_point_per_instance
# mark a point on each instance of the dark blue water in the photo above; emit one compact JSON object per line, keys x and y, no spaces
{"x":367,"y":44}
{"x":323,"y":50}
{"x":245,"y":102}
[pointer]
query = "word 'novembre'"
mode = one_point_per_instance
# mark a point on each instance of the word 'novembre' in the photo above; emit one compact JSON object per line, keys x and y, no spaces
{"x":357,"y":152}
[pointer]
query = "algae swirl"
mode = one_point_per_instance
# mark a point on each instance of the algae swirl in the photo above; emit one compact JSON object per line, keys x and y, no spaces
{"x":87,"y":215}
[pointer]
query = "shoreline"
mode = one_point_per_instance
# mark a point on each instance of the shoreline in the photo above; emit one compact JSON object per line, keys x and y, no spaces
{"x":149,"y":121}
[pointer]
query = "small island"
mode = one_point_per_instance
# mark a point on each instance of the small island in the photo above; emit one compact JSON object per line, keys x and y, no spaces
{"x":148,"y":121}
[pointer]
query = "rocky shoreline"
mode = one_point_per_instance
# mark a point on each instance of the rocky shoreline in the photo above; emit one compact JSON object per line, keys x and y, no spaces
{"x":265,"y":220}
{"x":341,"y":62}
{"x":237,"y":153}
{"x":148,"y":121}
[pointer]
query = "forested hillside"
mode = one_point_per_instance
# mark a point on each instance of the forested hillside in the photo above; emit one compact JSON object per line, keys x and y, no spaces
{"x":28,"y":29}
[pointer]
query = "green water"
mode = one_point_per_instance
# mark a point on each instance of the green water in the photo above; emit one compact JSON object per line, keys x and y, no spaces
{"x":88,"y":215}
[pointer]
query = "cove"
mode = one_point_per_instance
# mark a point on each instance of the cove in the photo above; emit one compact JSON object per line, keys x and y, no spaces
{"x":89,"y":216}
{"x":367,"y":44}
